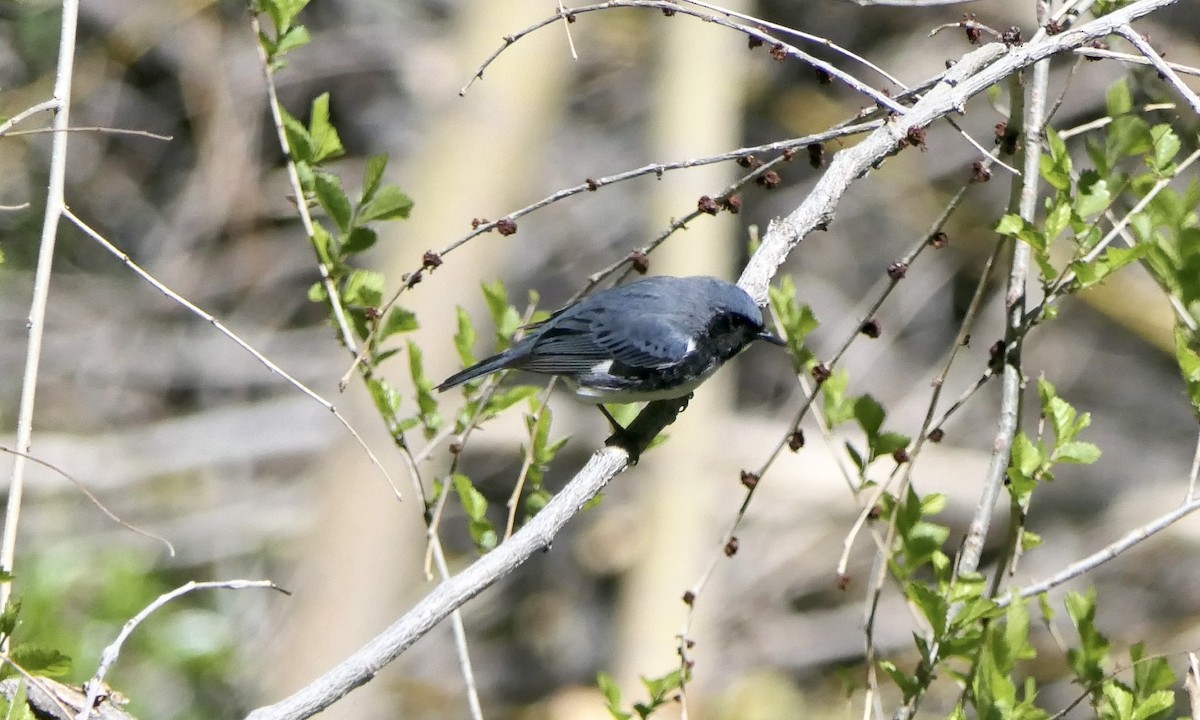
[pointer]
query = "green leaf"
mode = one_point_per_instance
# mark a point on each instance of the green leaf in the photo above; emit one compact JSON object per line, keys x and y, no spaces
{"x":474,"y":504}
{"x":887,"y":443}
{"x":386,"y":398}
{"x":464,"y":338}
{"x":1162,"y":701}
{"x":1059,"y":216}
{"x":870,"y":415}
{"x":1055,"y":166}
{"x":8,"y":618}
{"x":388,"y":203}
{"x":363,"y":287}
{"x":1079,"y":453}
{"x":325,"y":246}
{"x":40,"y":661}
{"x":427,"y":404}
{"x":300,"y":143}
{"x":1010,"y":225}
{"x":1027,"y":458}
{"x":1093,"y":195}
{"x":325,"y":141}
{"x":1118,"y":99}
{"x":398,"y":320}
{"x":372,"y":175}
{"x":504,"y":399}
{"x":838,"y":408}
{"x":358,"y":240}
{"x":1166,"y":147}
{"x":612,"y":695}
{"x":283,"y":12}
{"x":331,"y":196}
{"x":295,"y":36}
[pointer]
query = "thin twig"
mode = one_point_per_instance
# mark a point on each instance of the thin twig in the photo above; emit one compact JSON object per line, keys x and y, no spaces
{"x":1106,"y":554}
{"x":567,"y":29}
{"x":221,"y":327}
{"x":1025,"y":199}
{"x":1159,"y":64}
{"x":94,"y":129}
{"x":778,"y":46}
{"x":760,"y":22}
{"x":43,"y":106}
{"x":460,"y":637}
{"x":95,"y":500}
{"x":113,"y":651}
{"x":51,"y":217}
{"x":1101,"y":53}
{"x":335,"y":302}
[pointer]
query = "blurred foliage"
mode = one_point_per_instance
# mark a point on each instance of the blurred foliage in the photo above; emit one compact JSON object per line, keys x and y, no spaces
{"x":75,"y":601}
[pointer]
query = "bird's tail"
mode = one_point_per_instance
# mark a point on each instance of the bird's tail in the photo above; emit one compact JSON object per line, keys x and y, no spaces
{"x":483,"y":367}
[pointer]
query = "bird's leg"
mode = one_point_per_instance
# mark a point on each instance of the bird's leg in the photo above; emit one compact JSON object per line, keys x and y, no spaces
{"x":621,"y":436}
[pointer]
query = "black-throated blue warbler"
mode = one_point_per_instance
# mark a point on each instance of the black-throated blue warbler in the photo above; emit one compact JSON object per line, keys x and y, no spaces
{"x":654,"y":339}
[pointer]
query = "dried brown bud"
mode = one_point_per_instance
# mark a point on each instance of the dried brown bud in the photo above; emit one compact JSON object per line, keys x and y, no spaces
{"x":900,"y":455}
{"x":897,"y":270}
{"x":707,"y":205}
{"x":770,"y":179}
{"x":778,"y":52}
{"x":875,"y":512}
{"x":823,"y":76}
{"x":820,"y":372}
{"x":938,"y":240}
{"x":753,"y":41}
{"x":979,"y":172}
{"x":749,"y":161}
{"x":476,"y":222}
{"x":431,"y":260}
{"x":871,"y":328}
{"x":639,"y":261}
{"x":1054,"y":27}
{"x":936,"y":435}
{"x":506,"y":226}
{"x":689,"y":598}
{"x":1011,"y":36}
{"x":915,"y":137}
{"x":749,"y":479}
{"x":733,"y":204}
{"x":592,"y":185}
{"x":731,"y":547}
{"x":796,"y":440}
{"x":843,"y":581}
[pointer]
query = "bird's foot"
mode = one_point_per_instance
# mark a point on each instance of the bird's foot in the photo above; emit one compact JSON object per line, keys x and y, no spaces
{"x":621,"y":437}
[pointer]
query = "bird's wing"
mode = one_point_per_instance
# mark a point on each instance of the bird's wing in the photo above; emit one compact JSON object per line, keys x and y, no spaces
{"x":577,"y":342}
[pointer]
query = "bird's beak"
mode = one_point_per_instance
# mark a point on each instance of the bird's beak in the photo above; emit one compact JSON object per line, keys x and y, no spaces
{"x":772,"y":338}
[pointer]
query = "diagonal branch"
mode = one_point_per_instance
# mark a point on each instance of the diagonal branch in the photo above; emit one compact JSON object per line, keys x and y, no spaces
{"x":970,"y":76}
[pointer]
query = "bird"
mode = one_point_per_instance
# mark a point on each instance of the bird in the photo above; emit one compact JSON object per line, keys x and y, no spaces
{"x":653,"y":339}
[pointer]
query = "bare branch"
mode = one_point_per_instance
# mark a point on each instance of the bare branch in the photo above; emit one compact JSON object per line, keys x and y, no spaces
{"x":1110,"y":552}
{"x":751,"y":31}
{"x":221,"y":328}
{"x":1159,"y":64}
{"x":113,"y":651}
{"x":41,"y":284}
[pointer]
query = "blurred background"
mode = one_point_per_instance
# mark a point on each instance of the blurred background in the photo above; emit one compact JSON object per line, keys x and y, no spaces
{"x":179,"y":431}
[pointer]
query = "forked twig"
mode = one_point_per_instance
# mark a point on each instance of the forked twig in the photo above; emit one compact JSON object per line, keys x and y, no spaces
{"x":113,"y":651}
{"x":221,"y":328}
